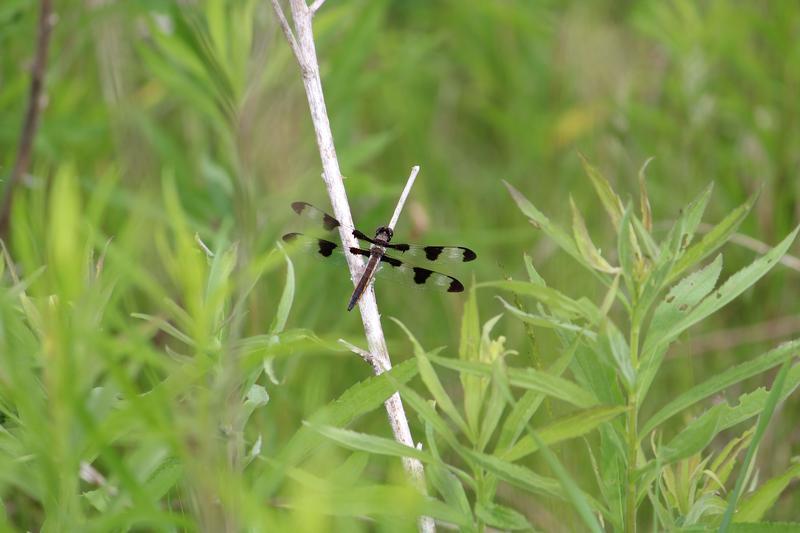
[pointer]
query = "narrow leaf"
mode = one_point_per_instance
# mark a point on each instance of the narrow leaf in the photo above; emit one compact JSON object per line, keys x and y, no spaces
{"x":287,"y":297}
{"x":734,"y":286}
{"x":644,"y":200}
{"x":694,"y":437}
{"x":721,"y":381}
{"x":756,"y":505}
{"x":586,"y":247}
{"x":761,"y":428}
{"x":712,"y":240}
{"x":538,"y":219}
{"x":572,"y":426}
{"x":502,"y":517}
{"x":361,"y":398}
{"x":431,"y":381}
{"x":609,"y":199}
{"x":533,"y":275}
{"x":559,"y":303}
{"x":526,"y":378}
{"x":680,"y":300}
{"x":524,"y":409}
{"x":370,"y":443}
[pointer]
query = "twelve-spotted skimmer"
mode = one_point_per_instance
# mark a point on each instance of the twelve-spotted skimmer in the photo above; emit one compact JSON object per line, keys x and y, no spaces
{"x":380,"y":244}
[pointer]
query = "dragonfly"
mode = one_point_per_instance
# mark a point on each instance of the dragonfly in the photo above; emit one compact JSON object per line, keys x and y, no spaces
{"x":376,"y":248}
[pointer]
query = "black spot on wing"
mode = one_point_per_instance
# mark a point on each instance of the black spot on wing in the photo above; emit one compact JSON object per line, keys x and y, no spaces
{"x":359,"y":251}
{"x":469,"y":255}
{"x":433,"y":252}
{"x":399,"y":247}
{"x":421,"y":275}
{"x":289,"y":237}
{"x":391,"y":261}
{"x":455,"y":286}
{"x":299,"y":206}
{"x":360,"y":235}
{"x":329,"y":222}
{"x":326,"y":248}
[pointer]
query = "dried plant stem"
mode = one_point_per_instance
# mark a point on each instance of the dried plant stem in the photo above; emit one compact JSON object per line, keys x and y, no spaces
{"x":402,"y":201}
{"x":301,"y":41}
{"x":35,"y":104}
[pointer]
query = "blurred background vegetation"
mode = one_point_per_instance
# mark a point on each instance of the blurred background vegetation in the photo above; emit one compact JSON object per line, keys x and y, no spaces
{"x":164,"y":119}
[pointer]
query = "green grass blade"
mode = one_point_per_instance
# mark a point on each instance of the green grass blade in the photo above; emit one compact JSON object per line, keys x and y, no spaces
{"x":761,"y":427}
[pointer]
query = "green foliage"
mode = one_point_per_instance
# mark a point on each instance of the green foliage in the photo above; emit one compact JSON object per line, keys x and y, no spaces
{"x":164,"y":366}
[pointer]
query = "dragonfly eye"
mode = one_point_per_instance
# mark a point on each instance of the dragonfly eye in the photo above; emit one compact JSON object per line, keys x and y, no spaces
{"x":385,"y":233}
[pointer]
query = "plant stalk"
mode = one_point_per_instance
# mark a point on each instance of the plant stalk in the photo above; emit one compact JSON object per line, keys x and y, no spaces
{"x":632,"y":440}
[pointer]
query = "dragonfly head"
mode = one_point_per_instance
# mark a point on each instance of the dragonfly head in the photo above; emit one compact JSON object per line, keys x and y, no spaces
{"x":384,"y":233}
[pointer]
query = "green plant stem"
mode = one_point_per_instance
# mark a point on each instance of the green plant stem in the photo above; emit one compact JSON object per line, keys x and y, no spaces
{"x":633,"y":415}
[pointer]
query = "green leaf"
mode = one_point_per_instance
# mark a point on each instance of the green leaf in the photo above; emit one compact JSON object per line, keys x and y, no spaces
{"x":533,"y":275}
{"x":752,"y":403}
{"x":428,"y":413}
{"x":656,"y":279}
{"x":761,"y":427}
{"x":609,"y":199}
{"x":724,"y":462}
{"x":287,"y":297}
{"x":369,"y":443}
{"x":450,"y":488}
{"x":693,"y":438}
{"x":625,"y":253}
{"x":644,"y":200}
{"x":586,"y":247}
{"x":257,"y":396}
{"x":539,"y":220}
{"x":548,"y":322}
{"x":721,"y":381}
{"x":737,"y":284}
{"x":680,"y":300}
{"x":560,"y":304}
{"x":388,"y":500}
{"x":758,"y":527}
{"x":216,"y":17}
{"x":469,"y":350}
{"x":498,"y":516}
{"x":524,"y":409}
{"x":582,"y":502}
{"x":492,"y":413}
{"x":693,"y":214}
{"x":166,"y":476}
{"x":516,"y":475}
{"x":361,"y":398}
{"x":755,"y":506}
{"x":712,"y":240}
{"x":569,"y":427}
{"x":526,"y":378}
{"x":613,"y":347}
{"x":733,"y":287}
{"x":431,"y":381}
